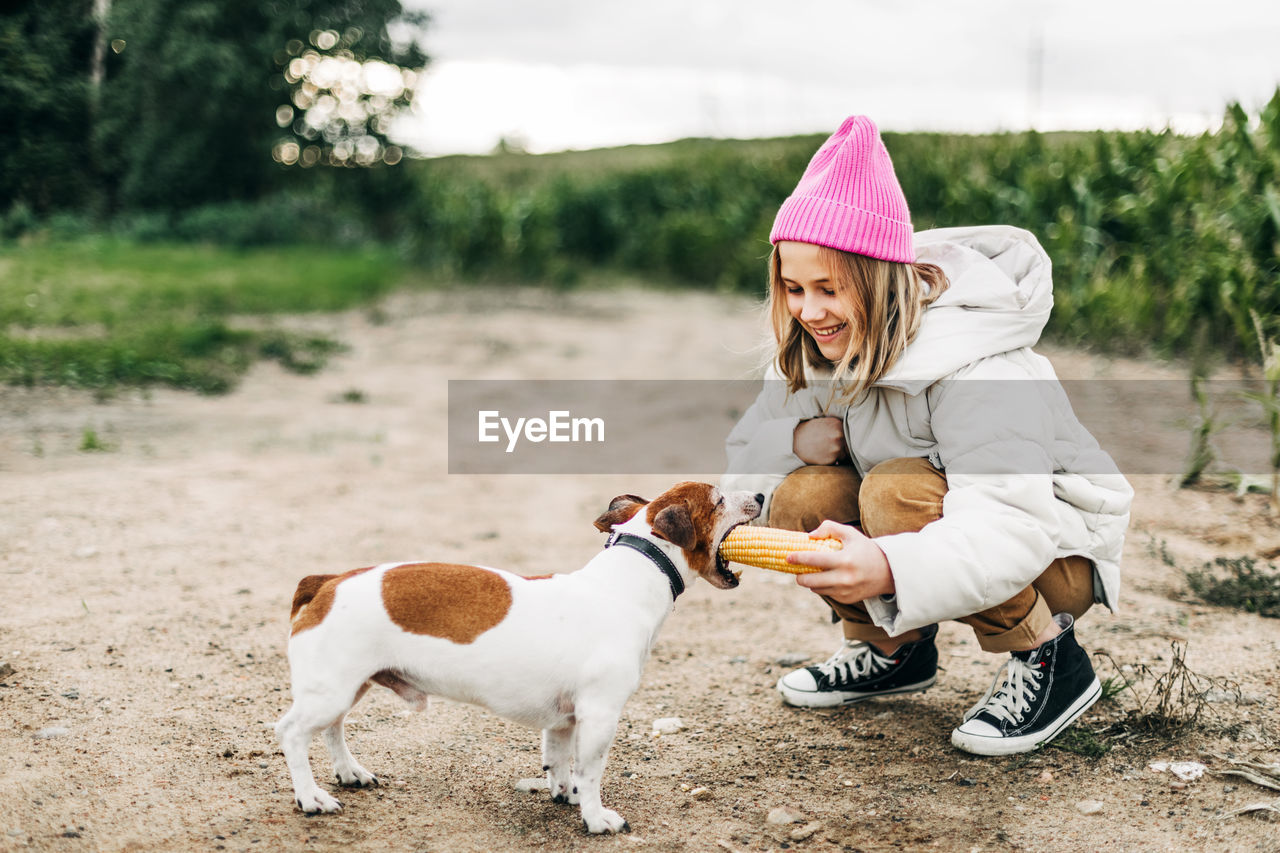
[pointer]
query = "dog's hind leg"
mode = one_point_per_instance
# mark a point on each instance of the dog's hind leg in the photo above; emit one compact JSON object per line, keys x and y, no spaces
{"x":345,"y":767}
{"x":595,"y":730}
{"x":557,"y":756}
{"x":313,"y":710}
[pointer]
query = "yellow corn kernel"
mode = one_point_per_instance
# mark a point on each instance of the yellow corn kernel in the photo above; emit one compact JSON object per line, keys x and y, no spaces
{"x":768,"y":547}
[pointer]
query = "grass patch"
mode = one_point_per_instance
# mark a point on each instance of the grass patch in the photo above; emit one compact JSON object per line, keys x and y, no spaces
{"x":1238,"y":583}
{"x":91,"y":443}
{"x":102,"y":314}
{"x":1082,"y":741}
{"x":352,"y":395}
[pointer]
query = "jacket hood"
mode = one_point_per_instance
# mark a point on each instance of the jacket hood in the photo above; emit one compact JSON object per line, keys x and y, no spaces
{"x":999,"y":300}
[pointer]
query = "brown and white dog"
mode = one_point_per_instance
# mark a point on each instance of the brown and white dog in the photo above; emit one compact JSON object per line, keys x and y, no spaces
{"x":561,"y":653}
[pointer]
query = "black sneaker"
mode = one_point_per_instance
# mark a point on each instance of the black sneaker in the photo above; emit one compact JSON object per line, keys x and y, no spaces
{"x":1038,"y":694}
{"x":857,"y":671}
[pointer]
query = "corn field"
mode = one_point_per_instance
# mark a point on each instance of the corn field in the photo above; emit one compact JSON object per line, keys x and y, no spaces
{"x":1155,"y":238}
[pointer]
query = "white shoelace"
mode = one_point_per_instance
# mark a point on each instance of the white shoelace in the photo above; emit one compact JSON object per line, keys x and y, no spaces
{"x":855,"y":659}
{"x":1010,"y":695}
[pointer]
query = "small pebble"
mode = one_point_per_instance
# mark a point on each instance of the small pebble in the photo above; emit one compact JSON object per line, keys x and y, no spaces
{"x":6,"y":669}
{"x":1089,"y":807}
{"x":784,"y":815}
{"x":667,"y":725}
{"x":51,"y":732}
{"x":701,"y":793}
{"x":1045,"y":777}
{"x":791,"y":659}
{"x":529,"y":786}
{"x":800,"y":833}
{"x":1178,"y":786}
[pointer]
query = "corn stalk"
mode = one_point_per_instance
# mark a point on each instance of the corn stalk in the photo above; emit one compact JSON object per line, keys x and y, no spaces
{"x":1269,"y":398}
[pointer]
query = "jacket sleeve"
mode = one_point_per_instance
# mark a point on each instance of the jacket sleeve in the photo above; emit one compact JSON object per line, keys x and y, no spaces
{"x":999,"y":524}
{"x":759,"y":447}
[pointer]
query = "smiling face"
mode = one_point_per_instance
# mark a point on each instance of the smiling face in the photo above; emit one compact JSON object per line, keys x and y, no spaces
{"x":812,"y":299}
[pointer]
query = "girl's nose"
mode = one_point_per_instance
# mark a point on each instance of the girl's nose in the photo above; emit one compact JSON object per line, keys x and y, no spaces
{"x":811,"y":310}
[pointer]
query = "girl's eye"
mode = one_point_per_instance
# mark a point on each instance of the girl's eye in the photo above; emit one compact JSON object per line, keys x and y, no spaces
{"x":795,"y":291}
{"x":828,"y":291}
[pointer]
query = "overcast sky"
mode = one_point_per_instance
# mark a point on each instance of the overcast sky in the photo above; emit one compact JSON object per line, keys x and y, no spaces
{"x":559,"y":74}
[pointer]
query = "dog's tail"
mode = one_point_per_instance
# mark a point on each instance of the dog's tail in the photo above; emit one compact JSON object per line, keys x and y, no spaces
{"x":307,"y":589}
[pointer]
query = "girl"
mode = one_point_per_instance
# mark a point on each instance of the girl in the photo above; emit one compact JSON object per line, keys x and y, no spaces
{"x":905,"y":414}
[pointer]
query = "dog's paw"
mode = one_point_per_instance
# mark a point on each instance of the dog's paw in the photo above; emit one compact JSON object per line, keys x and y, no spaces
{"x":606,"y":820}
{"x":357,"y":777}
{"x":318,"y":802}
{"x":562,"y":791}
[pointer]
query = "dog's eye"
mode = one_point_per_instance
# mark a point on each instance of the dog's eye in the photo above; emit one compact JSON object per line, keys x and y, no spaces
{"x":721,"y":501}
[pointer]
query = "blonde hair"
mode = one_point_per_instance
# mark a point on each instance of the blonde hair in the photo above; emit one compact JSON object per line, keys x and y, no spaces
{"x":883,"y":303}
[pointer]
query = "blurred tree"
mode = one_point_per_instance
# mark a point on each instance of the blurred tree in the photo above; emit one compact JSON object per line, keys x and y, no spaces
{"x":195,"y":95}
{"x":45,"y":159}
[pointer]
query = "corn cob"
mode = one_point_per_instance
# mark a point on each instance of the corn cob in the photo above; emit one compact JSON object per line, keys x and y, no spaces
{"x":767,"y":548}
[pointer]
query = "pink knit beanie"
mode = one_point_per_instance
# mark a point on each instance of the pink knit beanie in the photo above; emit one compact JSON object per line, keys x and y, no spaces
{"x":849,"y":198}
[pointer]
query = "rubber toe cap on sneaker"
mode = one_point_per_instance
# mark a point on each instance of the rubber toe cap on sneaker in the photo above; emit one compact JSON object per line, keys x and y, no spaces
{"x":800,"y":681}
{"x":800,"y":689}
{"x":978,"y":728}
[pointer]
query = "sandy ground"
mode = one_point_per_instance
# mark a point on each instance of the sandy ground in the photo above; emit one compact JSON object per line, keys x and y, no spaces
{"x":145,"y":609}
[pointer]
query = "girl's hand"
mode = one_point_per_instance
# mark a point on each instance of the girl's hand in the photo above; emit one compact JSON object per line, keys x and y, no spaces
{"x":820,"y":441}
{"x":858,"y":571}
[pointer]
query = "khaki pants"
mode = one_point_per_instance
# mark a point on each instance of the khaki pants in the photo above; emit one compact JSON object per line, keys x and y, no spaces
{"x":903,"y":495}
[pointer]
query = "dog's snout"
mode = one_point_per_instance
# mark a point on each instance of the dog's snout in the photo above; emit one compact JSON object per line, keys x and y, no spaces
{"x":760,"y":498}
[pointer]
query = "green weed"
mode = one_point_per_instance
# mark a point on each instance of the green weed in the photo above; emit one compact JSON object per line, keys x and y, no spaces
{"x":91,"y":443}
{"x":1160,"y":550}
{"x":1081,"y":740}
{"x":1112,"y":687}
{"x":1240,"y":584}
{"x":353,"y":395}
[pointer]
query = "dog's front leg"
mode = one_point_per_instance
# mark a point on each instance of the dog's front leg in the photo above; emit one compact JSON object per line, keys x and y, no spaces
{"x":595,"y":731}
{"x":557,"y":757}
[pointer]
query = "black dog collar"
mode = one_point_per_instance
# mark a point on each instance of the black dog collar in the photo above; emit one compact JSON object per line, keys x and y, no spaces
{"x":654,"y":553}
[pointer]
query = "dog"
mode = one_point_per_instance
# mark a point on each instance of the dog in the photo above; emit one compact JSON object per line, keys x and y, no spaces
{"x":561,"y":652}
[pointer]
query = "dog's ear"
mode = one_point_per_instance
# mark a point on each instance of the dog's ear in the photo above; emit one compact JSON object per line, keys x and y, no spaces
{"x":620,"y":510}
{"x":675,"y":524}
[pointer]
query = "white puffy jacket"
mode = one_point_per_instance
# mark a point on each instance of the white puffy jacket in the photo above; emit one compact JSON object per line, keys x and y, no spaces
{"x":1026,"y":481}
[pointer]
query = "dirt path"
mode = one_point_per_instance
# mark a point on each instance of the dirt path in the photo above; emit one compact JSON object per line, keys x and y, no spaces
{"x":146,"y":591}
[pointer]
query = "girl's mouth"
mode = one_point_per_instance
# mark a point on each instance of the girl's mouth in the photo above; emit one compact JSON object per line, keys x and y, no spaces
{"x":828,"y":333}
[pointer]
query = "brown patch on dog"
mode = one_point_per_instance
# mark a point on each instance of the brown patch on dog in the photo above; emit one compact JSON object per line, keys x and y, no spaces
{"x":621,"y":510}
{"x":684,"y":515}
{"x":315,"y":594}
{"x":454,"y":602}
{"x":537,"y":577}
